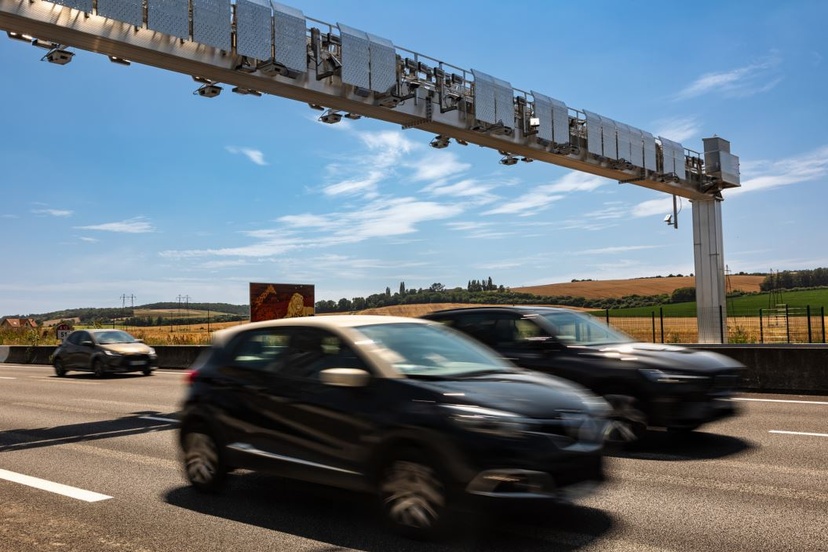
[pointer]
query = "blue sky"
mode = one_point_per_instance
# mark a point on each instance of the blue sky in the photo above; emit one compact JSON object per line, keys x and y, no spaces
{"x":119,"y":181}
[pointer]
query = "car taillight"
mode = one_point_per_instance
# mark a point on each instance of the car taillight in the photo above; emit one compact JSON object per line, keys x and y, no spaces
{"x":190,"y":377}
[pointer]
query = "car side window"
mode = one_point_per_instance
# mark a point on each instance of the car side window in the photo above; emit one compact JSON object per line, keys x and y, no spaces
{"x":312,"y":350}
{"x":74,"y":338}
{"x":475,"y":325}
{"x":260,"y":350}
{"x":500,"y":329}
{"x":528,"y":330}
{"x":495,"y":330}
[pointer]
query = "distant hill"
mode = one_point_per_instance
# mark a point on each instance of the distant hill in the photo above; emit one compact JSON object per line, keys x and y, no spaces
{"x":85,"y":315}
{"x":603,"y":289}
{"x":589,"y":289}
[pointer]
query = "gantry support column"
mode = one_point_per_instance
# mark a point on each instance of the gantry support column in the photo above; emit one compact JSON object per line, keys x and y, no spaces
{"x":708,"y":250}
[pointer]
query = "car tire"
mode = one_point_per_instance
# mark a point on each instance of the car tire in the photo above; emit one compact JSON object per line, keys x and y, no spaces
{"x":414,"y":496}
{"x":627,"y":422}
{"x":60,"y":369}
{"x":147,"y":371}
{"x":98,"y":368}
{"x":203,"y":462}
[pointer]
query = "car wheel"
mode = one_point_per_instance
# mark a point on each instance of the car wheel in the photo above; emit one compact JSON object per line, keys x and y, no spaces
{"x":414,"y":496}
{"x":627,"y":421}
{"x":203,"y":463}
{"x":98,"y":368}
{"x":60,"y":369}
{"x":147,"y":371}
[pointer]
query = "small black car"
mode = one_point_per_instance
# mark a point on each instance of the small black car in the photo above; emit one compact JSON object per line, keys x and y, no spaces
{"x":103,"y":352}
{"x":420,"y":416}
{"x":648,"y":385}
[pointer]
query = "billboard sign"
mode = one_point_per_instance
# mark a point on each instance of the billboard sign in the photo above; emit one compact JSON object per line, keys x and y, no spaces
{"x":272,"y":301}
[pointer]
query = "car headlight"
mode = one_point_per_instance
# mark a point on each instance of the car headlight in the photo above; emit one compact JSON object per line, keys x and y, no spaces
{"x":485,"y":420}
{"x":107,"y":352}
{"x":665,"y":376}
{"x":151,"y":351}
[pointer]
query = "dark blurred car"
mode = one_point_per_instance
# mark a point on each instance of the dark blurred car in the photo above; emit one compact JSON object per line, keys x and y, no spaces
{"x":103,"y":352}
{"x":422,"y":417}
{"x":647,"y":384}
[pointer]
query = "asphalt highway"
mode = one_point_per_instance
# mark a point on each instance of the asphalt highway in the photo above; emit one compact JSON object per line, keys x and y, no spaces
{"x":92,"y":465}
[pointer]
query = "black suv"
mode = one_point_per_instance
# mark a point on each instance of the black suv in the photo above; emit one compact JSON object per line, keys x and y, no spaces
{"x":422,"y":417}
{"x":647,"y":384}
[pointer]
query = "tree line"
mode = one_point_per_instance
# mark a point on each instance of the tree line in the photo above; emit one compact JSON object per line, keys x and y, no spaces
{"x":790,"y":279}
{"x":481,"y":292}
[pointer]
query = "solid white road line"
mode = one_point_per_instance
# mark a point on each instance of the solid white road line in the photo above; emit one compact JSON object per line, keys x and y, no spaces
{"x":798,"y":433}
{"x":160,"y":419}
{"x":52,"y":487}
{"x":7,"y":377}
{"x":779,"y":401}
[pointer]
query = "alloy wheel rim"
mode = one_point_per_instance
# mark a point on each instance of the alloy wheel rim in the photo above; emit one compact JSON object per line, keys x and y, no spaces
{"x":413,"y":495}
{"x":627,"y":421}
{"x":201,"y":458}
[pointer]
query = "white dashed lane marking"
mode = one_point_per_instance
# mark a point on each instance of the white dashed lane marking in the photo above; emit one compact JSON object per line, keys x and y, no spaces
{"x":52,"y":487}
{"x":823,"y":403}
{"x":805,"y":433}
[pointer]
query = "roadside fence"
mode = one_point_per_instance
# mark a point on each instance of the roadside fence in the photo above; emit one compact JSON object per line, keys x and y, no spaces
{"x":780,"y":324}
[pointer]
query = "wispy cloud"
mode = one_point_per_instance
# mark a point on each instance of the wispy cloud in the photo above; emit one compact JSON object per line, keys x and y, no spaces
{"x":661,"y":206}
{"x":741,"y":82}
{"x":678,"y":129}
{"x":364,"y":184}
{"x":362,"y":173}
{"x":764,"y":175}
{"x":575,"y":181}
{"x":616,"y":250}
{"x":137,"y":225}
{"x":307,"y":220}
{"x":88,"y":239}
{"x":544,"y":195}
{"x":378,"y":219}
{"x":528,"y":204}
{"x":53,"y":212}
{"x":437,"y":165}
{"x":471,"y":191}
{"x":254,"y":155}
{"x":483,"y":230}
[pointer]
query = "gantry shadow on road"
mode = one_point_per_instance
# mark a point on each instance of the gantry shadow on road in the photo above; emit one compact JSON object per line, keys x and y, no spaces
{"x":348,"y":520}
{"x":132,"y":424}
{"x":679,"y":446}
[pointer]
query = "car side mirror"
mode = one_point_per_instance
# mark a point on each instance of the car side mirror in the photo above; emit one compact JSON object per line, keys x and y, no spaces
{"x":87,"y":343}
{"x":345,"y":377}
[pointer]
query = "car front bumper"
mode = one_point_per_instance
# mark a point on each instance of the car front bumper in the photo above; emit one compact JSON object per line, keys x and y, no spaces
{"x":130,"y":363}
{"x":673,"y":412}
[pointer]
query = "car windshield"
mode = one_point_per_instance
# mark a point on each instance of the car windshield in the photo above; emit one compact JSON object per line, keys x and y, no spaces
{"x":575,"y":328}
{"x":425,"y":350}
{"x":114,"y":336}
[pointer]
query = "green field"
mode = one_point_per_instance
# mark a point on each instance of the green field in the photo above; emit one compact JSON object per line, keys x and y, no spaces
{"x":745,"y":305}
{"x":178,"y":313}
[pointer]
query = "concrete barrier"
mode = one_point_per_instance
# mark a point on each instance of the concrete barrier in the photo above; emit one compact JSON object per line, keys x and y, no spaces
{"x":169,"y":356}
{"x":784,"y":368}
